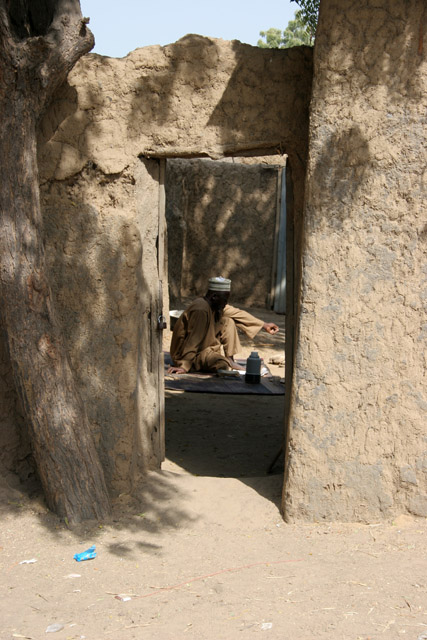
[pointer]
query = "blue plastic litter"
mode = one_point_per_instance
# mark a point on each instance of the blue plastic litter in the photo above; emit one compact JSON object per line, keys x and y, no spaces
{"x":86,"y":555}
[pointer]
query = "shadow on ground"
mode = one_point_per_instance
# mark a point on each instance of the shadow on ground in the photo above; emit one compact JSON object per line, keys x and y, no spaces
{"x":223,"y":435}
{"x":210,"y":435}
{"x":231,"y":436}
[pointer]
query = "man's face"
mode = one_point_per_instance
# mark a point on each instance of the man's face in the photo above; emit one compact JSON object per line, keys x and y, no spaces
{"x":220,"y":299}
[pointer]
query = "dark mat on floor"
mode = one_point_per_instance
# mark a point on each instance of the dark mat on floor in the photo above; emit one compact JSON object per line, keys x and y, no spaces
{"x":212,"y":383}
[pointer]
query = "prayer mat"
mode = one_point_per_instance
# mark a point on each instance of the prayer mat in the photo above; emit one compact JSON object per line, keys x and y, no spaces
{"x":216,"y":383}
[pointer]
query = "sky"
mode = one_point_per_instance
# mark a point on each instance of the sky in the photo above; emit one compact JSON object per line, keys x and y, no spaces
{"x":120,"y":27}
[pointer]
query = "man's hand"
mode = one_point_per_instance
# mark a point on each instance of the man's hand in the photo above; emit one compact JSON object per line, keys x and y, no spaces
{"x":234,"y":365}
{"x":176,"y":370}
{"x":270,"y":327}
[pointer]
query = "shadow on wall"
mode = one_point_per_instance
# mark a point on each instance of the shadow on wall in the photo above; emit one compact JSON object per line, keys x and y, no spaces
{"x":86,"y":263}
{"x":94,"y":249}
{"x":384,"y":46}
{"x":256,"y":84}
{"x":62,"y":106}
{"x":192,"y":65}
{"x":343,"y":179}
{"x":221,"y":221}
{"x":203,"y":98}
{"x":383,"y":51}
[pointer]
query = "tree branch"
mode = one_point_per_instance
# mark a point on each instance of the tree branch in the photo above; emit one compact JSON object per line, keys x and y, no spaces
{"x":48,"y":56}
{"x":5,"y":34}
{"x":70,"y":39}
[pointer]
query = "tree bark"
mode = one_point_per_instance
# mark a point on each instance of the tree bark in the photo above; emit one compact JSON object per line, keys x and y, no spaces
{"x":40,"y":41}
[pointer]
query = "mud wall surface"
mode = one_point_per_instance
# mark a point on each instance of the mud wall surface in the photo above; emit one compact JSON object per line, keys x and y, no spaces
{"x":358,"y":424}
{"x":198,"y":96}
{"x":221,"y":220}
{"x":94,"y":256}
{"x":102,"y":210}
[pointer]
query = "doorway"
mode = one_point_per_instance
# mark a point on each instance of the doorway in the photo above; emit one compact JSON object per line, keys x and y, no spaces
{"x":223,"y":218}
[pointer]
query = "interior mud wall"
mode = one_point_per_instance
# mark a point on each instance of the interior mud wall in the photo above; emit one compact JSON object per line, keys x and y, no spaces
{"x":221,"y":220}
{"x":358,"y":408}
{"x":101,"y":200}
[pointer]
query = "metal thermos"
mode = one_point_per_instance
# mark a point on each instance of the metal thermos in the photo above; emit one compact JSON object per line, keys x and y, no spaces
{"x":253,"y":369}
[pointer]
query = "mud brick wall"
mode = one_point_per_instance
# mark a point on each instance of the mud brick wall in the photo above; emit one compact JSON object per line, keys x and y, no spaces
{"x":101,"y":147}
{"x":358,"y":424}
{"x":221,"y":220}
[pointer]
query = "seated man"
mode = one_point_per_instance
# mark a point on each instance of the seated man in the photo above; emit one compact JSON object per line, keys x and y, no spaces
{"x":205,"y":336}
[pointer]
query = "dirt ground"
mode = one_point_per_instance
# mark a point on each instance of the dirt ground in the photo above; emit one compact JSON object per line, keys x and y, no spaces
{"x":202,"y":551}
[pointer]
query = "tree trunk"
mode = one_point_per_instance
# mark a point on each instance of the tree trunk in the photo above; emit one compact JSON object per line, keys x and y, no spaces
{"x":40,"y":41}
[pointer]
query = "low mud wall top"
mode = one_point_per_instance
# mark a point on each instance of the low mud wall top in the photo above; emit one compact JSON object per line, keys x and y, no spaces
{"x":197,"y":97}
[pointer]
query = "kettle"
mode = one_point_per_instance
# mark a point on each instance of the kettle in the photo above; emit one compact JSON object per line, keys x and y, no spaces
{"x":253,"y":369}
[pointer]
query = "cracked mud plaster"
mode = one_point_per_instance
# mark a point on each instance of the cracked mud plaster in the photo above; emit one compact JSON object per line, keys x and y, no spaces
{"x":358,"y":439}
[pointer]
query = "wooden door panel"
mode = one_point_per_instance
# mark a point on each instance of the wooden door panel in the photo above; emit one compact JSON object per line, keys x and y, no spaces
{"x":150,"y":401}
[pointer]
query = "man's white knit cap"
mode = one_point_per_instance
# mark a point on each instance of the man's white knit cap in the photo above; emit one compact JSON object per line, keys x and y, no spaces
{"x":219,"y":284}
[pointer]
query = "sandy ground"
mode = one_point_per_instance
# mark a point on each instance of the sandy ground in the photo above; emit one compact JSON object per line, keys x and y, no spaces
{"x":202,"y":552}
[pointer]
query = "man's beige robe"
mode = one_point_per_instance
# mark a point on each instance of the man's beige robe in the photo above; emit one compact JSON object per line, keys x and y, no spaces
{"x":199,"y":341}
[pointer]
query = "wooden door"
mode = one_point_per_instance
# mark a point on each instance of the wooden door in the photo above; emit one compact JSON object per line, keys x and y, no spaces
{"x":150,"y":200}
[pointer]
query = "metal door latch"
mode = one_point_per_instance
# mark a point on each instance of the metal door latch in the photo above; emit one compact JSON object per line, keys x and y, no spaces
{"x":161,"y":323}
